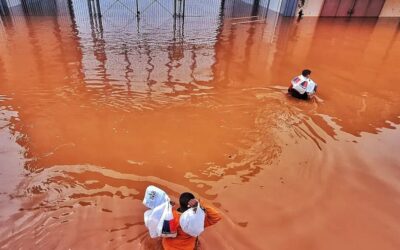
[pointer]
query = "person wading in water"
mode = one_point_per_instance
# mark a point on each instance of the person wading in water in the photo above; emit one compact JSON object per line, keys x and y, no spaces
{"x":184,"y":241}
{"x":302,"y":86}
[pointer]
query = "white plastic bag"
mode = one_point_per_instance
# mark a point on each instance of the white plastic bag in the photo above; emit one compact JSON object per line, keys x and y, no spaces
{"x":311,"y":87}
{"x":192,"y":221}
{"x":160,"y":221}
{"x":152,"y":218}
{"x":167,"y":226}
{"x":154,"y":197}
{"x":302,"y":85}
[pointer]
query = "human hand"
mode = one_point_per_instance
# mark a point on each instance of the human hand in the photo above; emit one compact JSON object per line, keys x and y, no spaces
{"x":193,"y":203}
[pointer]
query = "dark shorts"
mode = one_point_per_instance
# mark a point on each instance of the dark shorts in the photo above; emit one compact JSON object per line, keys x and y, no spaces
{"x":296,"y":94}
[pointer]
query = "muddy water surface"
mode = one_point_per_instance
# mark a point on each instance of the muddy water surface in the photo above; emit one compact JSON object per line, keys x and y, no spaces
{"x":91,"y":115}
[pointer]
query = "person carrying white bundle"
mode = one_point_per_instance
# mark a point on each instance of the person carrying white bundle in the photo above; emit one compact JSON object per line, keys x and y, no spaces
{"x":302,"y":86}
{"x":194,"y":215}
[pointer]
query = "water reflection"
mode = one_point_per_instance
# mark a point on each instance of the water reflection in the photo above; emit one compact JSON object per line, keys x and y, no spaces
{"x":99,"y":107}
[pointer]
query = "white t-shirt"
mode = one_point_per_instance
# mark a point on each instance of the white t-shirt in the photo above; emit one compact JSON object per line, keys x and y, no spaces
{"x":303,"y":84}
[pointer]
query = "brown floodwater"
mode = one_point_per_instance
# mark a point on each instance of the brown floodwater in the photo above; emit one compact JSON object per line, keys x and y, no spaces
{"x":91,"y":114}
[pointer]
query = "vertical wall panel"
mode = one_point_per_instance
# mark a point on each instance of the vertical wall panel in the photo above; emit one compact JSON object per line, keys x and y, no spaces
{"x":330,"y":8}
{"x":275,"y":5}
{"x":344,"y":7}
{"x":361,"y":7}
{"x":375,"y":7}
{"x":289,"y":8}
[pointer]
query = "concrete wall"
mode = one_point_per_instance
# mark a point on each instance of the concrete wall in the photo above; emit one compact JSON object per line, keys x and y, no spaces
{"x":391,"y":8}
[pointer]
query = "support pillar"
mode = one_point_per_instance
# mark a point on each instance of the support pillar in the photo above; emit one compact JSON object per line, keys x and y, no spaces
{"x":256,"y":5}
{"x":137,"y":9}
{"x":4,"y":9}
{"x":98,"y":9}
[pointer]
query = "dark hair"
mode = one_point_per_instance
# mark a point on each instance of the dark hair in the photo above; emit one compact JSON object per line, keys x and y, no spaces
{"x":184,"y":200}
{"x":306,"y":72}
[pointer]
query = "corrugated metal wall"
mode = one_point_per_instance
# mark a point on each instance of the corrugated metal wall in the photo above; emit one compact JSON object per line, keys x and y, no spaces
{"x":352,"y":8}
{"x":158,"y":9}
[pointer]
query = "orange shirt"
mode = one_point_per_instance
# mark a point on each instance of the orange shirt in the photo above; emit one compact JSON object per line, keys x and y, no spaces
{"x":183,"y":241}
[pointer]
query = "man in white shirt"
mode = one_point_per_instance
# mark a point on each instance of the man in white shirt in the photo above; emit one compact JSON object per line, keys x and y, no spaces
{"x":302,"y":86}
